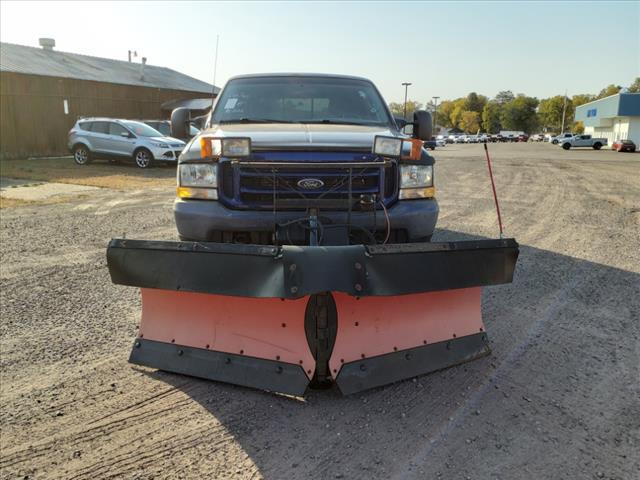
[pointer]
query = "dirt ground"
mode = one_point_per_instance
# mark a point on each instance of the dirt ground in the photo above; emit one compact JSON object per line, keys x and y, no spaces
{"x":558,"y":398}
{"x":100,"y":173}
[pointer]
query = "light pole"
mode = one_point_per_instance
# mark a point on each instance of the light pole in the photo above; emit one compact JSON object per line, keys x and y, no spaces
{"x":435,"y":114}
{"x":406,"y":87}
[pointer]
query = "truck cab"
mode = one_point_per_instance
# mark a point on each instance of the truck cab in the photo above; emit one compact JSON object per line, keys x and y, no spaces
{"x":304,"y":158}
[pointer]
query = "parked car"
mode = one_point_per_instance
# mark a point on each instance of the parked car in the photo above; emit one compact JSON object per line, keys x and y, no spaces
{"x":623,"y":146}
{"x":430,"y":144}
{"x":549,"y":137}
{"x":164,"y":127}
{"x":111,"y":138}
{"x":461,"y":139}
{"x":441,"y":142}
{"x":538,"y":137}
{"x":559,"y":138}
{"x":523,"y":137}
{"x":583,"y":141}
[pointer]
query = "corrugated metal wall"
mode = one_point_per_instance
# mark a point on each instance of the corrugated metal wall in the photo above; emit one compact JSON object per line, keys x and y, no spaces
{"x":33,"y":122}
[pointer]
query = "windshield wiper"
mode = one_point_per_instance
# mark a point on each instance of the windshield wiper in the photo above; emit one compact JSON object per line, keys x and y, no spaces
{"x":256,"y":120}
{"x":338,"y":122}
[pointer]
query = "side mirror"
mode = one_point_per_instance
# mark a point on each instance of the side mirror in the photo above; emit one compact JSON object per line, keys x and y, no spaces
{"x":423,"y":125}
{"x":180,"y":121}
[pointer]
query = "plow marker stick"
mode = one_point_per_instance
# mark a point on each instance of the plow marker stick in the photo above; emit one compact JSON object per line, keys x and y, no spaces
{"x":493,"y":187}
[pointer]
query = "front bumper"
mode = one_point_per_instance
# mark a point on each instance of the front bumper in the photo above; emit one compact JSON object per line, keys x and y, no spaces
{"x":165,"y":154}
{"x":199,"y":219}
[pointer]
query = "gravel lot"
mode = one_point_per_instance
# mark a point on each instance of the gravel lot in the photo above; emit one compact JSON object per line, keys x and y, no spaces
{"x":559,"y":397}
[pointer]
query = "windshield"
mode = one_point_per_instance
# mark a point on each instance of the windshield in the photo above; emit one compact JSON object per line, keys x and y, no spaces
{"x":142,"y":129}
{"x":301,"y":100}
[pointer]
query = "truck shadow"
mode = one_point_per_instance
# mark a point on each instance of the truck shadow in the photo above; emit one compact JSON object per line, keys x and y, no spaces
{"x":533,"y":327}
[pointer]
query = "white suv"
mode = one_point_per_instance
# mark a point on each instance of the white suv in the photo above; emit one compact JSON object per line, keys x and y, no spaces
{"x":121,"y":139}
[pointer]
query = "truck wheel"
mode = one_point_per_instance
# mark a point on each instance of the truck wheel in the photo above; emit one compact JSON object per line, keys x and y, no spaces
{"x":566,"y":146}
{"x":597,"y":146}
{"x":81,"y":154}
{"x":143,"y":158}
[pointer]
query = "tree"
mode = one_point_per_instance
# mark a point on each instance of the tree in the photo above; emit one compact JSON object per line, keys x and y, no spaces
{"x":550,"y":113}
{"x":475,"y":102}
{"x":470,"y":121}
{"x":444,"y":114}
{"x":578,"y":128}
{"x":504,"y":97}
{"x":635,"y":86}
{"x":456,"y":112}
{"x":491,"y":117}
{"x":609,"y":90}
{"x":581,"y":99}
{"x":519,"y":114}
{"x":397,"y":109}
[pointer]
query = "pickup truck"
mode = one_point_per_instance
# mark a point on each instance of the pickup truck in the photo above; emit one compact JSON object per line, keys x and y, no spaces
{"x":285,"y":158}
{"x":582,"y":141}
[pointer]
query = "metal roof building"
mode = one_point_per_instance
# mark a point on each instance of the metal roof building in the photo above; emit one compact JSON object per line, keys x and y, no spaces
{"x":43,"y":91}
{"x":616,"y":117}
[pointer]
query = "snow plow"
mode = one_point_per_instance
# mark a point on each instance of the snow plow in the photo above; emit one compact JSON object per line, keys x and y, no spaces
{"x":307,"y":261}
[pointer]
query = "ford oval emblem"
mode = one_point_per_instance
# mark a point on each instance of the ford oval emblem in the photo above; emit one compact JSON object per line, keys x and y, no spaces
{"x":310,"y":183}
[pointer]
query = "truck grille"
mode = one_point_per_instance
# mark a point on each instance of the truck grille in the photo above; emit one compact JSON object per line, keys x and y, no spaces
{"x":256,"y":186}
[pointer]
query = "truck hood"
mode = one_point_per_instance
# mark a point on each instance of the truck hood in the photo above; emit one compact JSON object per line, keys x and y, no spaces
{"x":295,"y":136}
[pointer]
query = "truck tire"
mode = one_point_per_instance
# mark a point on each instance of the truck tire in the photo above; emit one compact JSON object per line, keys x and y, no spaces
{"x":566,"y":146}
{"x":81,"y":154}
{"x":143,"y":158}
{"x":597,"y":146}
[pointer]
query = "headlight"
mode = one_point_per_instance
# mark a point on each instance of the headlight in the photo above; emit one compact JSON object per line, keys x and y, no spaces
{"x":414,"y":176}
{"x":387,"y":146}
{"x":225,"y":147}
{"x":198,"y":175}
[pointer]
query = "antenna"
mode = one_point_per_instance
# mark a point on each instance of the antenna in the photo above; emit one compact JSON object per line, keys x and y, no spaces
{"x":215,"y":68}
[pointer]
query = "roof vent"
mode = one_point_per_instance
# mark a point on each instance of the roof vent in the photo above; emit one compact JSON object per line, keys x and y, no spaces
{"x":144,"y":62}
{"x":47,"y":43}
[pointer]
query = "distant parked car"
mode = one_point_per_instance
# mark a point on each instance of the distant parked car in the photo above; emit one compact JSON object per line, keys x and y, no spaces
{"x":430,"y":144}
{"x":623,"y":146}
{"x":461,"y":139}
{"x":538,"y":137}
{"x":441,"y":142}
{"x":451,"y":139}
{"x":164,"y":127}
{"x":112,"y":138}
{"x":523,"y":137}
{"x":583,"y":141}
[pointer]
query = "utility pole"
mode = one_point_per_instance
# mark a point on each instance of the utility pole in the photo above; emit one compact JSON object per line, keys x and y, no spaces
{"x":435,"y":114}
{"x":406,"y":87}
{"x":564,"y":111}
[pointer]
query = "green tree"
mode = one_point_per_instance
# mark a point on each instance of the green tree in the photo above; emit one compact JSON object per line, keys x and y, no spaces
{"x":397,"y":108}
{"x":491,"y":117}
{"x":635,"y":86}
{"x":475,"y":102}
{"x":470,"y":121}
{"x":456,"y":113}
{"x":609,"y":90}
{"x":520,"y":114}
{"x":581,"y":99}
{"x":550,"y":113}
{"x":504,"y":96}
{"x":444,"y":114}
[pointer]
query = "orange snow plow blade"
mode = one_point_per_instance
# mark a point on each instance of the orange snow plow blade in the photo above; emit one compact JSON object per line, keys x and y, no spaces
{"x":254,"y":342}
{"x":281,"y":318}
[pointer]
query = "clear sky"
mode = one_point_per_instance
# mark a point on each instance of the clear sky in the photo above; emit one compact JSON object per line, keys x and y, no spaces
{"x":445,"y":48}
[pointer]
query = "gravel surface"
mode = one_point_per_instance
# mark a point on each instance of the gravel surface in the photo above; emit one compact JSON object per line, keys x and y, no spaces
{"x":558,"y":398}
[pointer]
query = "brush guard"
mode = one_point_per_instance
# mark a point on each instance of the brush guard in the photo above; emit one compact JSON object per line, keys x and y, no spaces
{"x":280,"y":317}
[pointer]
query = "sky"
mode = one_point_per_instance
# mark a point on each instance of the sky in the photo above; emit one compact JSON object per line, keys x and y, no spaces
{"x":444,"y":49}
